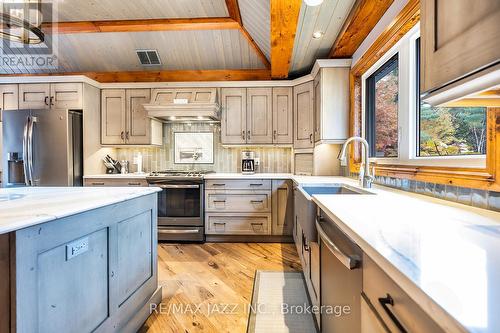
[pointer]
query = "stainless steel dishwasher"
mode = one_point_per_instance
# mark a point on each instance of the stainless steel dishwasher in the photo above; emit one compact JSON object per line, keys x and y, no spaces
{"x":341,"y":278}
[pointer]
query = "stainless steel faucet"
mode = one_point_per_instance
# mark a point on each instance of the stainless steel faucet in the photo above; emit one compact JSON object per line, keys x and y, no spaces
{"x":365,"y":178}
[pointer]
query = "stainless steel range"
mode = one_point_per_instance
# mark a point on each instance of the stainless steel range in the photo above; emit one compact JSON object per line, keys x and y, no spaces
{"x":180,"y":205}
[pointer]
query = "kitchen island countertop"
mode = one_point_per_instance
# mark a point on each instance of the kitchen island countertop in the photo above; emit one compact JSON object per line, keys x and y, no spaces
{"x":27,"y":206}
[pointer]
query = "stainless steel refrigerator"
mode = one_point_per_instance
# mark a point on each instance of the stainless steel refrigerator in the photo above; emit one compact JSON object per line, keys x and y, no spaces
{"x":42,"y":148}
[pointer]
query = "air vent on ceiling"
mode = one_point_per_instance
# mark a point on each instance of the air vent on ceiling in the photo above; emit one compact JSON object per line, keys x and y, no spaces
{"x":148,"y":57}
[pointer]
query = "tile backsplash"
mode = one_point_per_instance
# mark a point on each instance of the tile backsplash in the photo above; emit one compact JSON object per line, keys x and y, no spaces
{"x":272,"y":159}
{"x":472,"y":197}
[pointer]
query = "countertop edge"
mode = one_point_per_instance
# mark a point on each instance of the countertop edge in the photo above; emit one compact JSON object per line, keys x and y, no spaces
{"x":44,"y":218}
{"x":430,"y":307}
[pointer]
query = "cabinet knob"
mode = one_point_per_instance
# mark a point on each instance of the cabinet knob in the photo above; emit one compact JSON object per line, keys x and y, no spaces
{"x":52,"y":100}
{"x":46,"y":100}
{"x":127,"y":135}
{"x":122,"y":135}
{"x":243,"y":135}
{"x":311,"y":138}
{"x":248,"y":135}
{"x":275,"y":133}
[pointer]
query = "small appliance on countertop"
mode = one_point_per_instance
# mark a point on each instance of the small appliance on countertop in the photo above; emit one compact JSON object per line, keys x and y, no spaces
{"x":180,"y":205}
{"x":248,"y":162}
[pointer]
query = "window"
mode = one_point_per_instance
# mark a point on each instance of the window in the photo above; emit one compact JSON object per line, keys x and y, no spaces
{"x":443,"y":131}
{"x":382,"y":109}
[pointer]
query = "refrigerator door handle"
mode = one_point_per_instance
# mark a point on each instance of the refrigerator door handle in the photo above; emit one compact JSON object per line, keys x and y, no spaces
{"x":30,"y":149}
{"x":25,"y":152}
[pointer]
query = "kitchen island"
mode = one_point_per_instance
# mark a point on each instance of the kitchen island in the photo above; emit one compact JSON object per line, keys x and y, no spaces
{"x":77,"y":259}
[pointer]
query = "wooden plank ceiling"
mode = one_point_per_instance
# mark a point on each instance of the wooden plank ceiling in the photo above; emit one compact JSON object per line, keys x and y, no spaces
{"x":195,"y":39}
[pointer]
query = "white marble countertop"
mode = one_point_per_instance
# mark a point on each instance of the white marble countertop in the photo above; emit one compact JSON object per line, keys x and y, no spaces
{"x":446,"y":256}
{"x":27,"y":206}
{"x":118,"y":176}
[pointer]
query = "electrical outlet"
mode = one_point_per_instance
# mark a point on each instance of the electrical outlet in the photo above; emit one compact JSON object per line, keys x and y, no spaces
{"x":257,"y":161}
{"x":77,"y":247}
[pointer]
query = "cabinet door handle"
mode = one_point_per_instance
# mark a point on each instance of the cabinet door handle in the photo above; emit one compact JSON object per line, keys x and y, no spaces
{"x":219,"y":201}
{"x":311,"y":138}
{"x":243,"y":134}
{"x":248,"y":135}
{"x":98,"y":183}
{"x":218,"y":184}
{"x":388,"y":300}
{"x":275,"y":134}
{"x":52,"y":100}
{"x":134,"y":184}
{"x":255,"y":223}
{"x":255,"y":184}
{"x":122,"y":135}
{"x":257,"y":201}
{"x":127,"y":136}
{"x":46,"y":100}
{"x":219,"y":223}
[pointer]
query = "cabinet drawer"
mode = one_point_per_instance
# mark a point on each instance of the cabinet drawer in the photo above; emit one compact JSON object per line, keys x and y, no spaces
{"x":240,"y":202}
{"x":238,"y":184}
{"x":114,"y":182}
{"x":255,"y":224}
{"x":377,"y":285}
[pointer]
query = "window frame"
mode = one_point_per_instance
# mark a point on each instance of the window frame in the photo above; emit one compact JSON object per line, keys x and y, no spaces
{"x":370,"y":119}
{"x":408,"y":110}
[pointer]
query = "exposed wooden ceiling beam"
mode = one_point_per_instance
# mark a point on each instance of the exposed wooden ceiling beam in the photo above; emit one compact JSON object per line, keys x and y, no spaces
{"x":168,"y":76}
{"x":234,"y":10}
{"x":209,"y":23}
{"x":363,"y":17}
{"x":257,"y":49}
{"x":284,"y":18}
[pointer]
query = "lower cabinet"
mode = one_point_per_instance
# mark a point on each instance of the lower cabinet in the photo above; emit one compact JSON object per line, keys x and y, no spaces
{"x":248,"y":207}
{"x":115,"y":182}
{"x":387,"y":305}
{"x":91,"y":272}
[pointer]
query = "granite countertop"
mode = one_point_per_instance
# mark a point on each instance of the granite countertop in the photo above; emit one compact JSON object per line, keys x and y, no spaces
{"x":444,"y":255}
{"x":27,"y":206}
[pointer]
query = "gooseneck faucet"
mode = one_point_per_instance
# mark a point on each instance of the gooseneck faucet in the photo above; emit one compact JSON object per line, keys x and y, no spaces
{"x":366,"y":179}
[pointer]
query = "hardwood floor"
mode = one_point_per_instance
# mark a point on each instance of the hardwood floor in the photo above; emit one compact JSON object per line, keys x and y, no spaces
{"x":207,"y":287}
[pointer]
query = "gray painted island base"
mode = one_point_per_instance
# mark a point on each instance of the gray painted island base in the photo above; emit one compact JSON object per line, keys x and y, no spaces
{"x":91,"y":272}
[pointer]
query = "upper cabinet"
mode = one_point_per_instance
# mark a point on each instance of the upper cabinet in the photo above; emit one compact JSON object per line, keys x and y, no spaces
{"x":259,"y":115}
{"x":124,"y":120}
{"x":50,"y":96}
{"x":303,"y":105}
{"x":256,"y":116}
{"x":331,"y":105}
{"x":9,"y":97}
{"x":459,"y":38}
{"x":234,"y":116}
{"x":282,"y":115}
{"x":34,"y":96}
{"x":66,"y":95}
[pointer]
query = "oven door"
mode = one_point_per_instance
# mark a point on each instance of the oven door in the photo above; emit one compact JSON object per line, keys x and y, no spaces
{"x":180,"y":203}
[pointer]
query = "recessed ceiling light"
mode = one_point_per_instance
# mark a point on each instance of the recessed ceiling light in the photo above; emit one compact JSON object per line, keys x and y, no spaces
{"x":317,"y":34}
{"x":313,"y":3}
{"x":172,"y":118}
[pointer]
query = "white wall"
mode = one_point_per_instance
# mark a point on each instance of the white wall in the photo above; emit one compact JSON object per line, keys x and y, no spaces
{"x":386,"y":19}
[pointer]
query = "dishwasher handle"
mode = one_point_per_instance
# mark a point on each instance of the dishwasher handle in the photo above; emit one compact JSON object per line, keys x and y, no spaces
{"x":349,"y":261}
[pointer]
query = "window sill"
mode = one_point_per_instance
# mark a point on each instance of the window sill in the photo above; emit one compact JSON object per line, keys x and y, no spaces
{"x":474,"y":162}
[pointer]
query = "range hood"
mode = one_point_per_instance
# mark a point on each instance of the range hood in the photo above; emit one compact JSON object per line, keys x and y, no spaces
{"x":184,"y":104}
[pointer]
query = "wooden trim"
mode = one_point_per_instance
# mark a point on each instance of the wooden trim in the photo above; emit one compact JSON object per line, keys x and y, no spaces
{"x":284,"y":19}
{"x":362,"y":19}
{"x":208,"y":23}
{"x":487,"y":178}
{"x":257,"y":49}
{"x":167,"y":76}
{"x":234,"y":11}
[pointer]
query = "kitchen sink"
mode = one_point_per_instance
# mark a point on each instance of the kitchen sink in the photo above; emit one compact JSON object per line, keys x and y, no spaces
{"x":333,"y":189}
